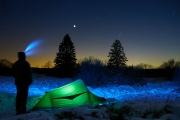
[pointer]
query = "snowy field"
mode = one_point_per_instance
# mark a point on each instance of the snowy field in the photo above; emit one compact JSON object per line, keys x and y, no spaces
{"x":156,"y":100}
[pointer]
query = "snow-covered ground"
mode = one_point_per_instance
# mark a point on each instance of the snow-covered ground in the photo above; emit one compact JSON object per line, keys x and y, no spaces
{"x":149,"y":98}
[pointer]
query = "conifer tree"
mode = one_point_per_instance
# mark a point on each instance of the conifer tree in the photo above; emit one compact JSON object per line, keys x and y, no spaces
{"x":66,"y":56}
{"x":116,"y":55}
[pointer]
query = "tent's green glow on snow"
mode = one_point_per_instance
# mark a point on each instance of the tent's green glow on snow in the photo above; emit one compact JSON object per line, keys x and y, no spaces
{"x":73,"y":94}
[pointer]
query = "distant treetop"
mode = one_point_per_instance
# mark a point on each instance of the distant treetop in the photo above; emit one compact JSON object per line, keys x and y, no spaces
{"x":117,"y":57}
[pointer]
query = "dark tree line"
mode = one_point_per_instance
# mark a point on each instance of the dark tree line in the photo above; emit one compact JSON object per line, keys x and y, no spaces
{"x":65,"y":60}
{"x":66,"y":65}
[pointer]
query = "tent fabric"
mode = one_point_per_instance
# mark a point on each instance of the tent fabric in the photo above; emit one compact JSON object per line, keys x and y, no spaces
{"x":72,"y":94}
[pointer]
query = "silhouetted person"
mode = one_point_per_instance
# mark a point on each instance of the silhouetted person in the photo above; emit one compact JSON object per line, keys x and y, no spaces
{"x":23,"y":78}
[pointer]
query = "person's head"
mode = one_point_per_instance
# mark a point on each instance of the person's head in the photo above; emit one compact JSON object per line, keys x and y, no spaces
{"x":21,"y":55}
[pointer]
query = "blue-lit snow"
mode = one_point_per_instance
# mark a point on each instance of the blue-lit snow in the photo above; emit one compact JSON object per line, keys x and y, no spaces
{"x":139,"y":98}
{"x":153,"y":91}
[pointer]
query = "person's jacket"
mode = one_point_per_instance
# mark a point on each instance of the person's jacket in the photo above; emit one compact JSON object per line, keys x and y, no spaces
{"x":22,"y":73}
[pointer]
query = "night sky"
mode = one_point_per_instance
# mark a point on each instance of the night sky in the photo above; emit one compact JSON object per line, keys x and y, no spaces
{"x":149,"y":30}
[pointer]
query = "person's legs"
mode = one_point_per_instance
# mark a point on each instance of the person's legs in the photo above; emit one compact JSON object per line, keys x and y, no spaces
{"x":21,"y":99}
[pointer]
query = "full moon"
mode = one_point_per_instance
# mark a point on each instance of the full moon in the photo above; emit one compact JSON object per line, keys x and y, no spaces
{"x":74,"y":25}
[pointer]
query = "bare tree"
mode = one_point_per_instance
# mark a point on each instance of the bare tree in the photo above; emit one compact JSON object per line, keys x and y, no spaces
{"x":170,"y":64}
{"x":48,"y":64}
{"x":4,"y":63}
{"x":144,"y":66}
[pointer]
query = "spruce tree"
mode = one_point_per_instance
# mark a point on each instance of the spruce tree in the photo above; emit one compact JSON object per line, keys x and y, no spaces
{"x":116,"y":55}
{"x":66,"y":57}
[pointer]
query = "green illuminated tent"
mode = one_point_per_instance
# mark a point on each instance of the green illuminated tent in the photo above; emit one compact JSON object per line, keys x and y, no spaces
{"x":73,"y":94}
